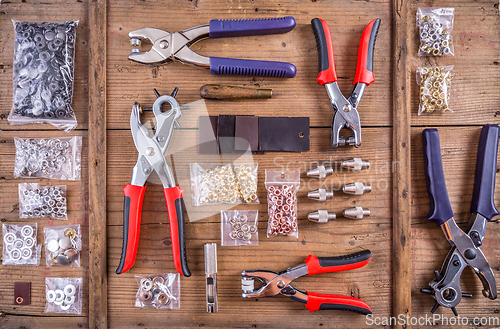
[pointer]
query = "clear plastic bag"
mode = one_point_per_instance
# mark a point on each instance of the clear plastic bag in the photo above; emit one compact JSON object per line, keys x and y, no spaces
{"x":435,"y":85}
{"x":230,"y":183}
{"x":161,"y":291}
{"x":63,"y":245}
{"x":55,"y":158}
{"x":20,"y":245}
{"x":44,"y":56}
{"x":282,"y":187}
{"x":64,"y":295}
{"x":239,"y":228}
{"x":435,"y":25}
{"x":37,"y":201}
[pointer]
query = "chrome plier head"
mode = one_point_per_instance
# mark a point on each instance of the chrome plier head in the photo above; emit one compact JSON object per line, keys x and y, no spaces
{"x":160,"y":50}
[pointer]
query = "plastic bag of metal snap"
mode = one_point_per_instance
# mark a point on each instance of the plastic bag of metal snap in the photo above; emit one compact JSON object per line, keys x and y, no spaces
{"x":435,"y":85}
{"x":64,"y":295}
{"x":229,"y":183}
{"x":435,"y":25}
{"x":37,"y":201}
{"x":158,"y":291}
{"x":282,"y":187}
{"x":55,"y":158}
{"x":44,"y":56}
{"x":20,"y":245}
{"x":63,"y":245}
{"x":239,"y":228}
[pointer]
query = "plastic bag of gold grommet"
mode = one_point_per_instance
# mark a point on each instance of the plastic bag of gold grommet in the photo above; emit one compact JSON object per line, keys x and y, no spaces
{"x":435,"y":25}
{"x":435,"y":82}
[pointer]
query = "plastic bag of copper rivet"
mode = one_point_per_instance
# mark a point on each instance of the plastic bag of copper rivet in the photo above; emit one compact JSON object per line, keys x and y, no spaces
{"x":20,"y":245}
{"x":63,"y":245}
{"x":435,"y":86}
{"x":282,"y":187}
{"x":55,"y":158}
{"x":229,"y":183}
{"x":435,"y":26}
{"x":37,"y":201}
{"x":63,"y":295}
{"x":44,"y":56}
{"x":239,"y":227}
{"x":161,"y":291}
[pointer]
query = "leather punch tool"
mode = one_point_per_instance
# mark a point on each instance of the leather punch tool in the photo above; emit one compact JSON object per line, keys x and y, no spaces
{"x":279,"y":283}
{"x":168,"y":47}
{"x":346,"y":114}
{"x":151,"y":158}
{"x":466,"y":245}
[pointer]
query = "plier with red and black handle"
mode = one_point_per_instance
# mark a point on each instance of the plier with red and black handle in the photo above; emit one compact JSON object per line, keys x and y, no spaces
{"x":279,"y":283}
{"x":151,"y":158}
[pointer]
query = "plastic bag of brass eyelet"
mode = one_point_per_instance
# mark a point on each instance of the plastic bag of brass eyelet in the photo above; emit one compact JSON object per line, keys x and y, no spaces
{"x":239,"y":228}
{"x":435,"y":83}
{"x":282,"y":187}
{"x":63,"y":245}
{"x":160,"y":291}
{"x":37,"y":201}
{"x":63,"y":295}
{"x":435,"y":25}
{"x":20,"y":245}
{"x":230,"y":183}
{"x":55,"y":158}
{"x":44,"y":55}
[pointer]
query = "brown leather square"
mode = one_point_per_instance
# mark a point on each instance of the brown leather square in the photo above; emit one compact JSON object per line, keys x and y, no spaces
{"x":22,"y":293}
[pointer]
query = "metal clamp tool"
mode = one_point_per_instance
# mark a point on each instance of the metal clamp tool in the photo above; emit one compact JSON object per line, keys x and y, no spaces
{"x":211,"y":276}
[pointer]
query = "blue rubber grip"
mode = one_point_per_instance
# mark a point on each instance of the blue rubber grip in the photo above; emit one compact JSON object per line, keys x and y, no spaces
{"x":486,"y":167}
{"x":231,"y":66}
{"x":440,"y":211}
{"x":223,"y":28}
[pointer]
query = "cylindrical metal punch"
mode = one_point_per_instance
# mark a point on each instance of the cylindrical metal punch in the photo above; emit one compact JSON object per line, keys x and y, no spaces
{"x":211,"y":276}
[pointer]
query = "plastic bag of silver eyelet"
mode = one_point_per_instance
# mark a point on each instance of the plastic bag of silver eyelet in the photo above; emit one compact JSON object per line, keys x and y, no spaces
{"x":20,"y":245}
{"x":55,"y":158}
{"x":435,"y":86}
{"x":63,"y":245}
{"x":232,"y":183}
{"x":37,"y":201}
{"x":160,"y":291}
{"x":239,"y":227}
{"x":435,"y":25}
{"x":44,"y":56}
{"x":63,"y":295}
{"x":282,"y":187}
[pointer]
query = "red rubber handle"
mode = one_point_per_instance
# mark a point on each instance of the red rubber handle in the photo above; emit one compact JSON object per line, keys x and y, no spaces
{"x":317,"y":302}
{"x":364,"y":68}
{"x":132,"y":208}
{"x":326,"y":62}
{"x":175,"y":209}
{"x":317,"y":265}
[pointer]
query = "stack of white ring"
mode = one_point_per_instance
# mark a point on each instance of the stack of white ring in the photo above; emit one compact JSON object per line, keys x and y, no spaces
{"x":20,"y":248}
{"x":63,"y":298}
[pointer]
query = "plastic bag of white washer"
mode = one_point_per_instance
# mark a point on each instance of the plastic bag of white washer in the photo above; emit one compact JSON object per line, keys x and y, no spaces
{"x":20,"y":245}
{"x":161,"y":290}
{"x":64,"y":295}
{"x":43,"y":70}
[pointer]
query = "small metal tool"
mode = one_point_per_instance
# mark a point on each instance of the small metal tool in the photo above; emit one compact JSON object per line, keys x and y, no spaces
{"x":354,"y":164}
{"x":320,"y":194}
{"x":321,"y":216}
{"x":211,"y":276}
{"x":356,"y":188}
{"x":234,"y":92}
{"x":356,"y":213}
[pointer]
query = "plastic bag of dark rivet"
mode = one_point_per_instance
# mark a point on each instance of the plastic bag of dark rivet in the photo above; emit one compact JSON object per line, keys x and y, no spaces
{"x":435,"y":85}
{"x":55,"y":158}
{"x":239,"y":227}
{"x":435,"y":25}
{"x":20,"y":245}
{"x":63,"y":295}
{"x":44,"y":56}
{"x":161,"y":291}
{"x":63,"y":245}
{"x":37,"y":201}
{"x":282,"y":187}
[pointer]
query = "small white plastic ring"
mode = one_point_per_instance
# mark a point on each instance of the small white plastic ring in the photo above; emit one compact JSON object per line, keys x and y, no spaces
{"x":9,"y":238}
{"x":58,"y":303}
{"x":29,"y":242}
{"x":51,"y":296}
{"x":27,"y":231}
{"x":69,"y":300}
{"x":59,"y":295}
{"x":18,"y":244}
{"x":65,"y":307}
{"x":15,"y":254}
{"x":26,"y":253}
{"x":70,"y":290}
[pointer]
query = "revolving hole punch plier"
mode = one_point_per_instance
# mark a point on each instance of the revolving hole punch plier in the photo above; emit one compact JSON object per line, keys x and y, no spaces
{"x":346,"y":113}
{"x":279,"y":283}
{"x":167,"y":47}
{"x":466,"y":245}
{"x":151,"y":158}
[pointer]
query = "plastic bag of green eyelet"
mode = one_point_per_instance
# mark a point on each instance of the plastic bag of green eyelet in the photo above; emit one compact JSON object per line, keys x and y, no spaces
{"x":55,"y":158}
{"x":435,"y":25}
{"x":37,"y":201}
{"x":435,"y":83}
{"x":63,"y":245}
{"x":20,"y":245}
{"x":229,"y":183}
{"x":239,"y":227}
{"x":160,"y":291}
{"x":64,"y":295}
{"x":282,"y":187}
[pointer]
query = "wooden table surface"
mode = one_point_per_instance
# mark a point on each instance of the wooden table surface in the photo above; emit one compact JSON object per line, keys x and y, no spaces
{"x":474,"y":99}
